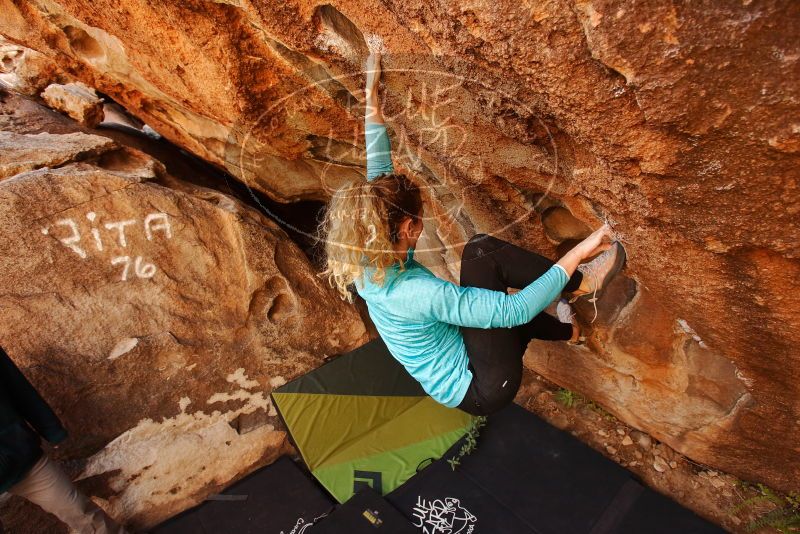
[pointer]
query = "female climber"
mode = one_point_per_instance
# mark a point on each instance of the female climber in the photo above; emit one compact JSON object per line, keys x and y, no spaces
{"x":463,"y":343}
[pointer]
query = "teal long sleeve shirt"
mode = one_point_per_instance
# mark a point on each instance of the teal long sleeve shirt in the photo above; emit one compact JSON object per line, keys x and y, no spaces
{"x":418,"y":315}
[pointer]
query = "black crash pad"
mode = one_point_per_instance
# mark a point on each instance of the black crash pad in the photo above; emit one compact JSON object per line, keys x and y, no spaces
{"x":529,"y":477}
{"x":277,"y":499}
{"x":366,"y":512}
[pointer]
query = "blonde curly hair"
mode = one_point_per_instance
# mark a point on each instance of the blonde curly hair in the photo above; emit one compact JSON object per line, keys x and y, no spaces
{"x":360,"y":228}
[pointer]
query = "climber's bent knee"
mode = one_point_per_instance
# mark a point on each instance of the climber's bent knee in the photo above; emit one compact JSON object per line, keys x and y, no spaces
{"x":476,"y":403}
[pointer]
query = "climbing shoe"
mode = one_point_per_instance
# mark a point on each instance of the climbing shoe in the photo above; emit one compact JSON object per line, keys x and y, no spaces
{"x":599,"y":272}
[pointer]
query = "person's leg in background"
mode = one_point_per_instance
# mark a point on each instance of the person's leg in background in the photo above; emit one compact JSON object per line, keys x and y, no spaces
{"x":49,"y":487}
{"x":496,"y":354}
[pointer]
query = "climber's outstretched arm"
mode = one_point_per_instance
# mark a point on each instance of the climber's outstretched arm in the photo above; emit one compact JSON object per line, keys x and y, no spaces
{"x":379,"y":150}
{"x":373,"y":109}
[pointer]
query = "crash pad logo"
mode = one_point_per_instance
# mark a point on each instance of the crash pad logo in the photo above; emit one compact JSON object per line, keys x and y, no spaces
{"x":362,"y":479}
{"x":443,"y":516}
{"x":299,"y":527}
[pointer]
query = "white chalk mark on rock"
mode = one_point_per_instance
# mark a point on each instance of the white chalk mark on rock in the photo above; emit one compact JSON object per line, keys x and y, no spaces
{"x":120,"y":227}
{"x":98,"y":243}
{"x":153,"y":458}
{"x":72,"y":241}
{"x":238,"y":377}
{"x":277,"y":381}
{"x":163,"y":225}
{"x":684,"y":326}
{"x":123,"y":346}
{"x":153,"y":222}
{"x":144,"y":270}
{"x":122,"y":259}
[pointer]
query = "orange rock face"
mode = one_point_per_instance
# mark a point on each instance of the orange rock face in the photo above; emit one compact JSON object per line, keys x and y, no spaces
{"x":677,"y":123}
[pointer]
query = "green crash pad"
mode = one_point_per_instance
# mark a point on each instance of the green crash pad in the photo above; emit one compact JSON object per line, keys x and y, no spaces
{"x":362,"y":420}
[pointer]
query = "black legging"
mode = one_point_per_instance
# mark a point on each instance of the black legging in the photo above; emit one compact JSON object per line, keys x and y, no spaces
{"x":495,"y":354}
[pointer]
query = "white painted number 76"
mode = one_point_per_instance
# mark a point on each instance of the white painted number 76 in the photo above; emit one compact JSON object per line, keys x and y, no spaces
{"x":141,"y":269}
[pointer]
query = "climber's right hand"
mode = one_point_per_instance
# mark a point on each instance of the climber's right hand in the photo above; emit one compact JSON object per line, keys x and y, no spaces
{"x":373,"y":71}
{"x":597,"y":242}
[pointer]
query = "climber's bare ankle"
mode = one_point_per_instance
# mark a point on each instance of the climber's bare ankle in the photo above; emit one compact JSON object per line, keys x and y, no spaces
{"x":576,"y":333}
{"x":583,"y":289}
{"x":585,"y":286}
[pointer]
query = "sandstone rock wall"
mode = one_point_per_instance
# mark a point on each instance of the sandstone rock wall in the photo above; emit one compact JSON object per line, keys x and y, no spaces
{"x":676,"y":121}
{"x":156,"y":316}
